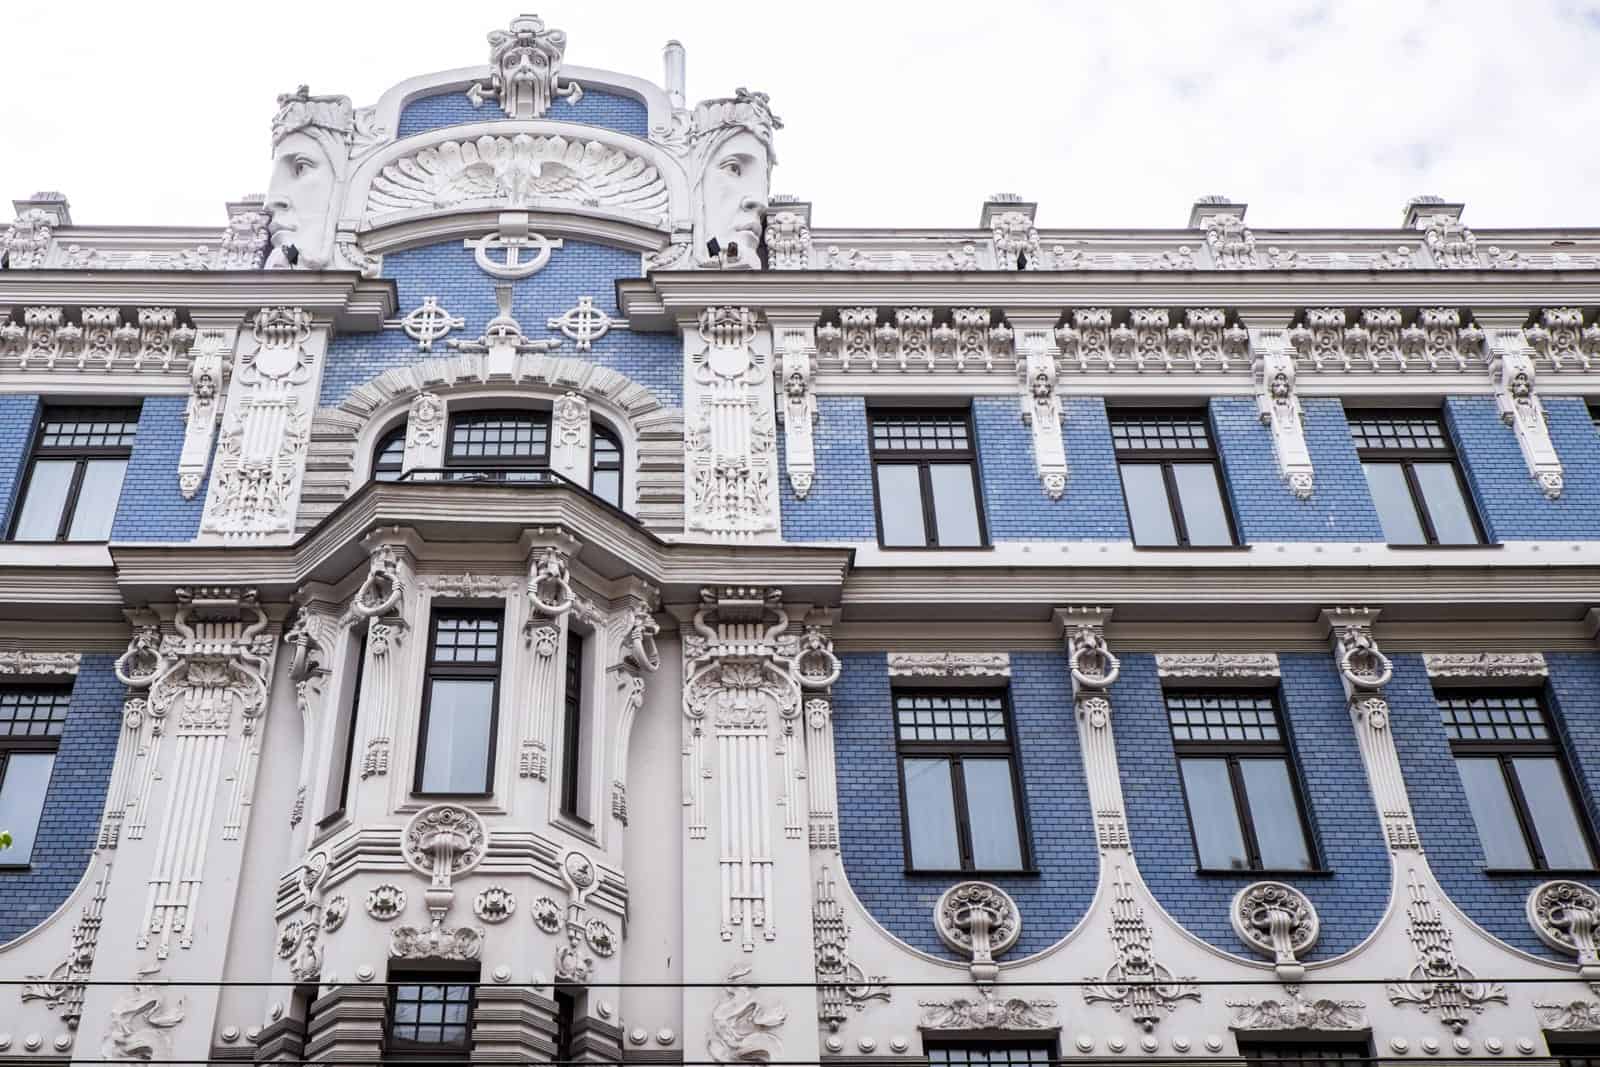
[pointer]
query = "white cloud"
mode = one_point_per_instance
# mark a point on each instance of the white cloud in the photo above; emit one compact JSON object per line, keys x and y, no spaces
{"x":897,"y":114}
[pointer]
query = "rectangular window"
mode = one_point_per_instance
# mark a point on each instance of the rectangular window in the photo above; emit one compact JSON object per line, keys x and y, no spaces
{"x":460,"y":706}
{"x":352,"y":728}
{"x":31,"y":721}
{"x":1239,"y":782}
{"x":75,"y":474}
{"x":572,"y":727}
{"x":1517,"y":782}
{"x":500,"y":445}
{"x":1573,"y":1053}
{"x":1305,"y":1053}
{"x":566,"y":1022}
{"x":958,"y":781}
{"x":1415,"y":480}
{"x":430,"y":1016}
{"x":925,"y":472}
{"x":1170,"y":479}
{"x":975,"y":1054}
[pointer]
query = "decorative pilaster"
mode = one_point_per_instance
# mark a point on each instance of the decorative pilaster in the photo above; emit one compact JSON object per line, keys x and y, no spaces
{"x":425,"y":432}
{"x":549,"y":601}
{"x":818,"y":669}
{"x":788,"y":235}
{"x":1094,"y":669}
{"x":1511,"y":366}
{"x":309,"y":644}
{"x":1364,"y":671}
{"x":570,"y":439}
{"x":1041,"y":408}
{"x":208,"y":363}
{"x":380,"y":605}
{"x":260,"y":462}
{"x":798,"y":411}
{"x":638,"y":659}
{"x":1272,"y":367}
{"x":212,"y":691}
{"x":730,"y":459}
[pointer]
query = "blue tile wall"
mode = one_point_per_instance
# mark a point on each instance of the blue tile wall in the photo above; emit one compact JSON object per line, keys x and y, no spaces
{"x":840,"y":504}
{"x":1014,"y":502}
{"x":608,"y":110}
{"x":447,"y":271}
{"x":151,"y":507}
{"x":1444,"y":819}
{"x":19,"y":414}
{"x":1511,"y":504}
{"x":1340,"y":508}
{"x":1350,"y":901}
{"x":1061,"y":826}
{"x":73,"y":803}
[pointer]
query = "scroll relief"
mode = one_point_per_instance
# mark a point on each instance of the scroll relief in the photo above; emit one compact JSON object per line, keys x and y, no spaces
{"x":730,"y":459}
{"x":1511,"y":366}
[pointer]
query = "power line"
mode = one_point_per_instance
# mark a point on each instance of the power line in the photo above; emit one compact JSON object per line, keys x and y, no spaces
{"x":966,"y":983}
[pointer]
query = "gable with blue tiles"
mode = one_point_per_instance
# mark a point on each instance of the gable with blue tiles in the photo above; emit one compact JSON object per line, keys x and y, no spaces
{"x":1058,"y":820}
{"x":1014,"y":502}
{"x":73,"y":803}
{"x":610,"y":111}
{"x":1510,"y":502}
{"x":1350,"y":897}
{"x":1439,"y":802}
{"x":448,"y":271}
{"x":151,"y":508}
{"x":1264,"y":508}
{"x":840,"y":505}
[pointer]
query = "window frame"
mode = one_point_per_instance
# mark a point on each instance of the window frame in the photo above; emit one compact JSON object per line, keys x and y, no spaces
{"x":571,"y":800}
{"x":352,"y":730}
{"x":410,"y":1050}
{"x":1042,"y":1040}
{"x":535,"y":415}
{"x":435,"y":670}
{"x":1407,"y":459}
{"x":11,"y":744}
{"x":1232,"y":752}
{"x":382,"y":446}
{"x":1504,"y":751}
{"x":81,"y":456}
{"x":1355,"y":1050}
{"x":922,"y":458}
{"x":1165,"y":458}
{"x":598,"y":431}
{"x":953,"y":752}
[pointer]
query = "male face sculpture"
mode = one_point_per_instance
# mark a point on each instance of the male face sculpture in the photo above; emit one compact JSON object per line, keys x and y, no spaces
{"x":300,"y":201}
{"x":733,"y":196}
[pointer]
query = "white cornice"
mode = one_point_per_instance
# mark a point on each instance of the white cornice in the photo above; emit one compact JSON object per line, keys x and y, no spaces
{"x":352,"y":303}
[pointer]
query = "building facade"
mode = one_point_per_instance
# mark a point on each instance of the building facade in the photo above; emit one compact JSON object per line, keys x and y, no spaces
{"x":518,"y":591}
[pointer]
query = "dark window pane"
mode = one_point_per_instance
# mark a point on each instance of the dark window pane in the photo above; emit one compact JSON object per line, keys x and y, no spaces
{"x":979,"y":717}
{"x":1555,"y":818}
{"x":1392,"y":497}
{"x":1145,"y":433}
{"x":1217,"y":832}
{"x":77,"y":428}
{"x":1146,"y":493}
{"x":920,"y":433}
{"x":1490,"y":801}
{"x":466,"y":639}
{"x":456,"y":749}
{"x":955,"y":506}
{"x":33,"y":713}
{"x":1418,"y":431}
{"x":48,"y":485}
{"x":992,"y":814}
{"x":989,"y":1055}
{"x":498,"y":436}
{"x":1275,"y":814}
{"x":389,"y":458}
{"x":1201,"y":499}
{"x":1222,"y":717}
{"x":931,"y":815}
{"x":22,"y":790}
{"x":1493,"y":717}
{"x":97,"y":500}
{"x":1447,"y":505}
{"x":900,"y":505}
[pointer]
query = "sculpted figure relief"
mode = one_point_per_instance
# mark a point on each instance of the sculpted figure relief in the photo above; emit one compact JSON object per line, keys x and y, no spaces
{"x":730,"y":166}
{"x":311,"y":139}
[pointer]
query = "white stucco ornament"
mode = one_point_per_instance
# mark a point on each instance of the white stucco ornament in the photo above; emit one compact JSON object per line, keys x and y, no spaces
{"x":1279,"y":922}
{"x":730,"y":171}
{"x":1565,"y":915}
{"x":978,"y":920}
{"x":527,"y":70}
{"x":312,"y":138}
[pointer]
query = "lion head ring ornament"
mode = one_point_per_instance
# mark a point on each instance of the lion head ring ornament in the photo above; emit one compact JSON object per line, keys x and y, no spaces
{"x":550,"y":585}
{"x":816,"y":664}
{"x":142,"y":663}
{"x":1092,"y":664}
{"x":639,"y":646}
{"x":1363,"y":665}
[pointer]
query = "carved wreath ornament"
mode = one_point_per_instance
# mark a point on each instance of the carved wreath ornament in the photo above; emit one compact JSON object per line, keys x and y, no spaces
{"x":978,"y":920}
{"x":1565,"y":916}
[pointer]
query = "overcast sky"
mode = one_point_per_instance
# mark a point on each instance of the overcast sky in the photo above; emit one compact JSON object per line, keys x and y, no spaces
{"x":903,"y":114}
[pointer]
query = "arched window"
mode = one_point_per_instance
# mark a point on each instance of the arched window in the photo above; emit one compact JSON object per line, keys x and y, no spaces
{"x":389,"y":458}
{"x":605,"y":466}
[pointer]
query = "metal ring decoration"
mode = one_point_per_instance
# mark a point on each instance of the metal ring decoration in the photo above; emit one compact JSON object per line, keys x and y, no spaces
{"x":1384,"y":664}
{"x":1097,"y":645}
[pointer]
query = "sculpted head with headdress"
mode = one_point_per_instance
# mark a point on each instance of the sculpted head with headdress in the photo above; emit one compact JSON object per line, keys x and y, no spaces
{"x":730,"y":165}
{"x":311,"y":138}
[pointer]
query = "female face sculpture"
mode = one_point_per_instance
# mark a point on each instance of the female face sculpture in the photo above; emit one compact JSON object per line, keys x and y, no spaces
{"x":733,"y":196}
{"x":300,"y":201}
